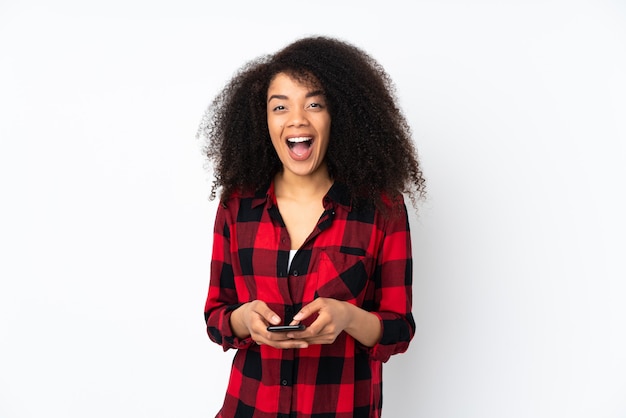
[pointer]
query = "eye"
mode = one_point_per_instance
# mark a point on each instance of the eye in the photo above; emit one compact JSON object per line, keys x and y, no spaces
{"x":316,"y":105}
{"x":278,"y":108}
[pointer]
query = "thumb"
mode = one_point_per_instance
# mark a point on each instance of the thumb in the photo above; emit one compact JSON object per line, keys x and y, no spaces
{"x":270,"y":316}
{"x":307,"y":310}
{"x":266,"y":313}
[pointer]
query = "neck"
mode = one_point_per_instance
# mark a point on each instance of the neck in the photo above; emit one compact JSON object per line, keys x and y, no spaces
{"x":289,"y":185}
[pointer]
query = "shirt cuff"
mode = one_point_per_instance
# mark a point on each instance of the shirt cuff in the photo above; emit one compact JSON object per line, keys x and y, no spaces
{"x":385,"y":347}
{"x":228,"y":339}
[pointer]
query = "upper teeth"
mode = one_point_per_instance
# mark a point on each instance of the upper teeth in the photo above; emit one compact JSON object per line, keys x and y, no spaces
{"x":299,"y":139}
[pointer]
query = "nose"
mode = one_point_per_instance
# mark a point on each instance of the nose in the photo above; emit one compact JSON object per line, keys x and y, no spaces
{"x":298,"y":117}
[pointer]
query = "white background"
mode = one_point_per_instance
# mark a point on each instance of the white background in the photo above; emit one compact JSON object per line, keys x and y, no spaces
{"x":518,"y":111}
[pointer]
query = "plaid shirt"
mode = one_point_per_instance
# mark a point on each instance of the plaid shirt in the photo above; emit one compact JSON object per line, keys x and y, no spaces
{"x":352,"y":255}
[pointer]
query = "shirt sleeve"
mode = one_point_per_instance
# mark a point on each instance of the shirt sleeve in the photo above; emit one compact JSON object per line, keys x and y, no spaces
{"x":393,"y":295}
{"x":222,"y":299}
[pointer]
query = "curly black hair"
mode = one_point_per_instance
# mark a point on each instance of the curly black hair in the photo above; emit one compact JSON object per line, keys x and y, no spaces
{"x":370,"y":148}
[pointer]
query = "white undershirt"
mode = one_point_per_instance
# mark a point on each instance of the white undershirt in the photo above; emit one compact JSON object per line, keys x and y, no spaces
{"x":291,"y":254}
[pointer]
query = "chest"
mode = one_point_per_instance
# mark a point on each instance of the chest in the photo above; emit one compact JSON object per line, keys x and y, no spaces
{"x":300,"y":220}
{"x":335,"y":259}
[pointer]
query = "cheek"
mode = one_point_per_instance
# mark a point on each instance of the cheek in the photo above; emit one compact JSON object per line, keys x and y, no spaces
{"x":274,"y":130}
{"x":275,"y":125}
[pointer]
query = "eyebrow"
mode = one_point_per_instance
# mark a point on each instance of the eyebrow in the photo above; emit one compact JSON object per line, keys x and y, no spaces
{"x":283,"y":97}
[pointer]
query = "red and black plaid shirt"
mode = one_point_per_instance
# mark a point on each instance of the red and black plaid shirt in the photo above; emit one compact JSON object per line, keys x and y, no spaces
{"x":353,"y":255}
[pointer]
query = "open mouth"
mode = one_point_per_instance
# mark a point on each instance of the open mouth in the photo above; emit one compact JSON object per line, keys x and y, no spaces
{"x":300,"y":145}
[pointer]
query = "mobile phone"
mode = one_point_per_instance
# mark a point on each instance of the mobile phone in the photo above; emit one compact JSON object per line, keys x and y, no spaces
{"x":285,"y":328}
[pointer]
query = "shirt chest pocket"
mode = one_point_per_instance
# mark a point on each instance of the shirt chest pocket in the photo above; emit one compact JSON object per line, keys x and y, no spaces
{"x":343,"y":274}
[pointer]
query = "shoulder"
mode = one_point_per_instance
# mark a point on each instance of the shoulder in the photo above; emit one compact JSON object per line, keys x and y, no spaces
{"x":391,"y":205}
{"x":392,"y":202}
{"x":243,"y":206}
{"x":235,"y":197}
{"x":392,"y":212}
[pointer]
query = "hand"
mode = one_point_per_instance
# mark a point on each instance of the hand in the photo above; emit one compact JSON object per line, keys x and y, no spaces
{"x":252,"y":318}
{"x":334,"y":316}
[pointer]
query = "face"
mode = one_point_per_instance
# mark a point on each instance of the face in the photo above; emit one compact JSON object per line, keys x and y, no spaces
{"x":299,"y":125}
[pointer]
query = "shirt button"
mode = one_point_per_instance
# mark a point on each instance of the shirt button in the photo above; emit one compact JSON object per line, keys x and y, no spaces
{"x":284,"y":382}
{"x":295,"y":273}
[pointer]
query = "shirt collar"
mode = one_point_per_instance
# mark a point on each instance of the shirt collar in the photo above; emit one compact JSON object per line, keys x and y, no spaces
{"x":337,"y":194}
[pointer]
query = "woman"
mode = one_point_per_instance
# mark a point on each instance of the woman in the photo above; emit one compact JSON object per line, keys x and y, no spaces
{"x":313,"y":158}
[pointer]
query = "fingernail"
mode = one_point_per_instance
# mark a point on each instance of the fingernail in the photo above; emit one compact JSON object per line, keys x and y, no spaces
{"x":298,"y":316}
{"x":275,"y":319}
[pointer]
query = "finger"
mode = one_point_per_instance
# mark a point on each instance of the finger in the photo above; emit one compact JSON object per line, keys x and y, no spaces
{"x":282,"y":342}
{"x":320,"y":335}
{"x":315,"y":330}
{"x":267,"y":314}
{"x":287,"y":344}
{"x":309,"y":309}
